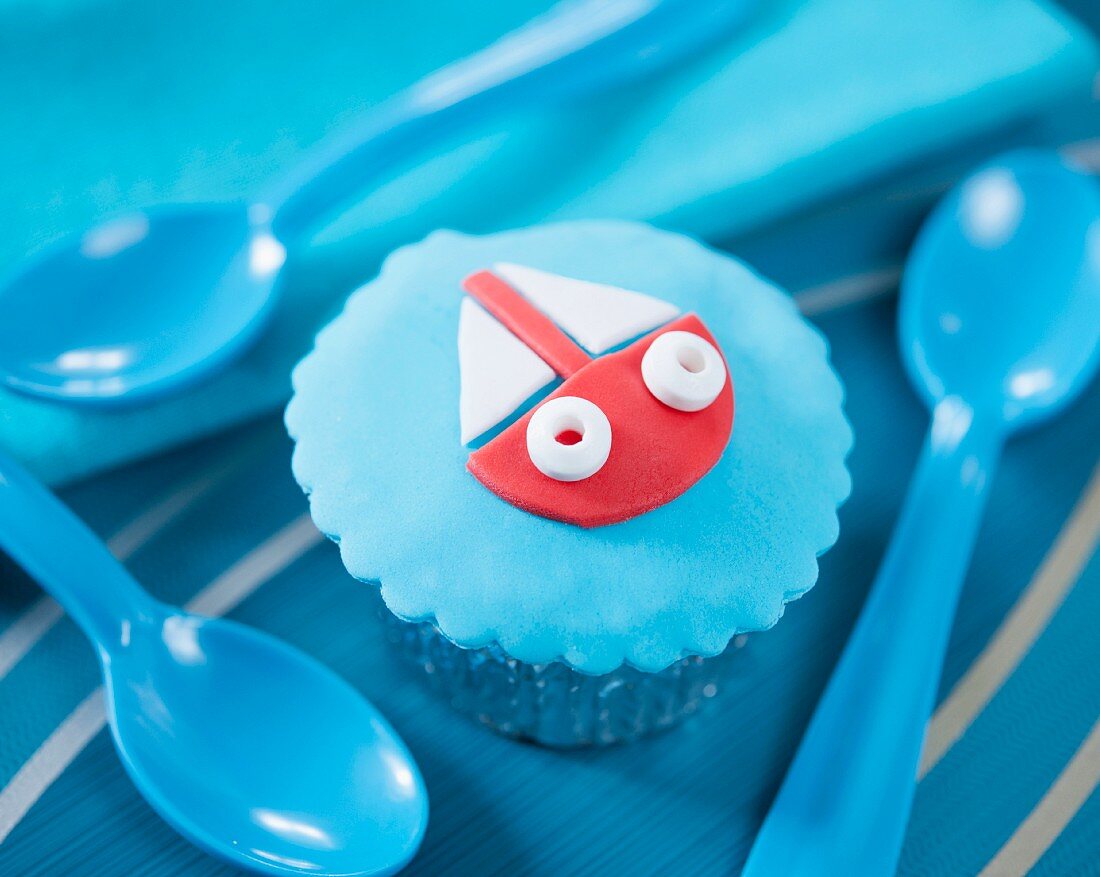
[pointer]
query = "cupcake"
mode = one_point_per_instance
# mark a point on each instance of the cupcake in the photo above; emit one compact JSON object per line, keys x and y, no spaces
{"x":580,"y":460}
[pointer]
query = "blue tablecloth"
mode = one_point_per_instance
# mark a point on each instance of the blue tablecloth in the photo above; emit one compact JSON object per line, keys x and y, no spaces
{"x":221,"y":523}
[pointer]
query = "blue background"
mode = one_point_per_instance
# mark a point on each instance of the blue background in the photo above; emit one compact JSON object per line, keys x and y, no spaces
{"x":686,"y":803}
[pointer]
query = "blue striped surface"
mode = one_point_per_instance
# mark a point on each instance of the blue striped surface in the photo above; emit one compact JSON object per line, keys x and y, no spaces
{"x":687,"y":802}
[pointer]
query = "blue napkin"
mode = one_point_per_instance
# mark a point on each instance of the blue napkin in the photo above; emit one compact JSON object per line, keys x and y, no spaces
{"x":125,"y":103}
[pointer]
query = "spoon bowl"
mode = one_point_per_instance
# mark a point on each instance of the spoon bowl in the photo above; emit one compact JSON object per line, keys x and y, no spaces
{"x":152,"y":301}
{"x":1001,"y":297}
{"x":255,"y":752}
{"x":249,"y":748}
{"x":138,"y":304}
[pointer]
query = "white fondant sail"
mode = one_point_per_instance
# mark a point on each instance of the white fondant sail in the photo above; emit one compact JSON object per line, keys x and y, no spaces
{"x":498,"y":371}
{"x":598,"y":316}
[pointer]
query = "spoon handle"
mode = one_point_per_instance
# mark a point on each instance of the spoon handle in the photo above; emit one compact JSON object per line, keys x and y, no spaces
{"x":845,"y":802}
{"x":576,"y":47}
{"x":66,"y":558}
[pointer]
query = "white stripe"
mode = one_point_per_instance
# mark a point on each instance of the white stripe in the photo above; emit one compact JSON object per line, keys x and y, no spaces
{"x":270,"y":558}
{"x":40,"y":770}
{"x":1035,"y":835}
{"x":869,"y":285}
{"x":23,"y":633}
{"x":847,"y":291}
{"x":1085,"y":152}
{"x":77,"y":730}
{"x":1024,"y":624}
{"x":26,"y":630}
{"x":128,"y":540}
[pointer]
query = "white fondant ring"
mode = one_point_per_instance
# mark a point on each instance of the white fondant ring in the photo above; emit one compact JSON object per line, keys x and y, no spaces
{"x":558,"y":418}
{"x":684,"y":371}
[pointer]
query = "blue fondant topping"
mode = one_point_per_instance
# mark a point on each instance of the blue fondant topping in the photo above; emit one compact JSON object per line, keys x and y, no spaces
{"x":375,"y":418}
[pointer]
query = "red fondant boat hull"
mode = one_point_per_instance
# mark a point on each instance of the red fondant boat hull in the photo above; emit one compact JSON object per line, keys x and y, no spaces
{"x":656,"y":454}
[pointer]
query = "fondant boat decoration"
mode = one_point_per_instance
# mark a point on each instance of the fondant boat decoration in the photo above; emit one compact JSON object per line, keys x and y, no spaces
{"x":630,"y":427}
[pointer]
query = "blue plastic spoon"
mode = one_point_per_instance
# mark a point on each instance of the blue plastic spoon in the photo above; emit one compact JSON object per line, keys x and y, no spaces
{"x":999,"y":328}
{"x":154,"y":300}
{"x":249,"y":748}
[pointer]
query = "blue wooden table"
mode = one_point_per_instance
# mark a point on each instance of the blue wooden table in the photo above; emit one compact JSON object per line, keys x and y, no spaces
{"x":1012,"y":758}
